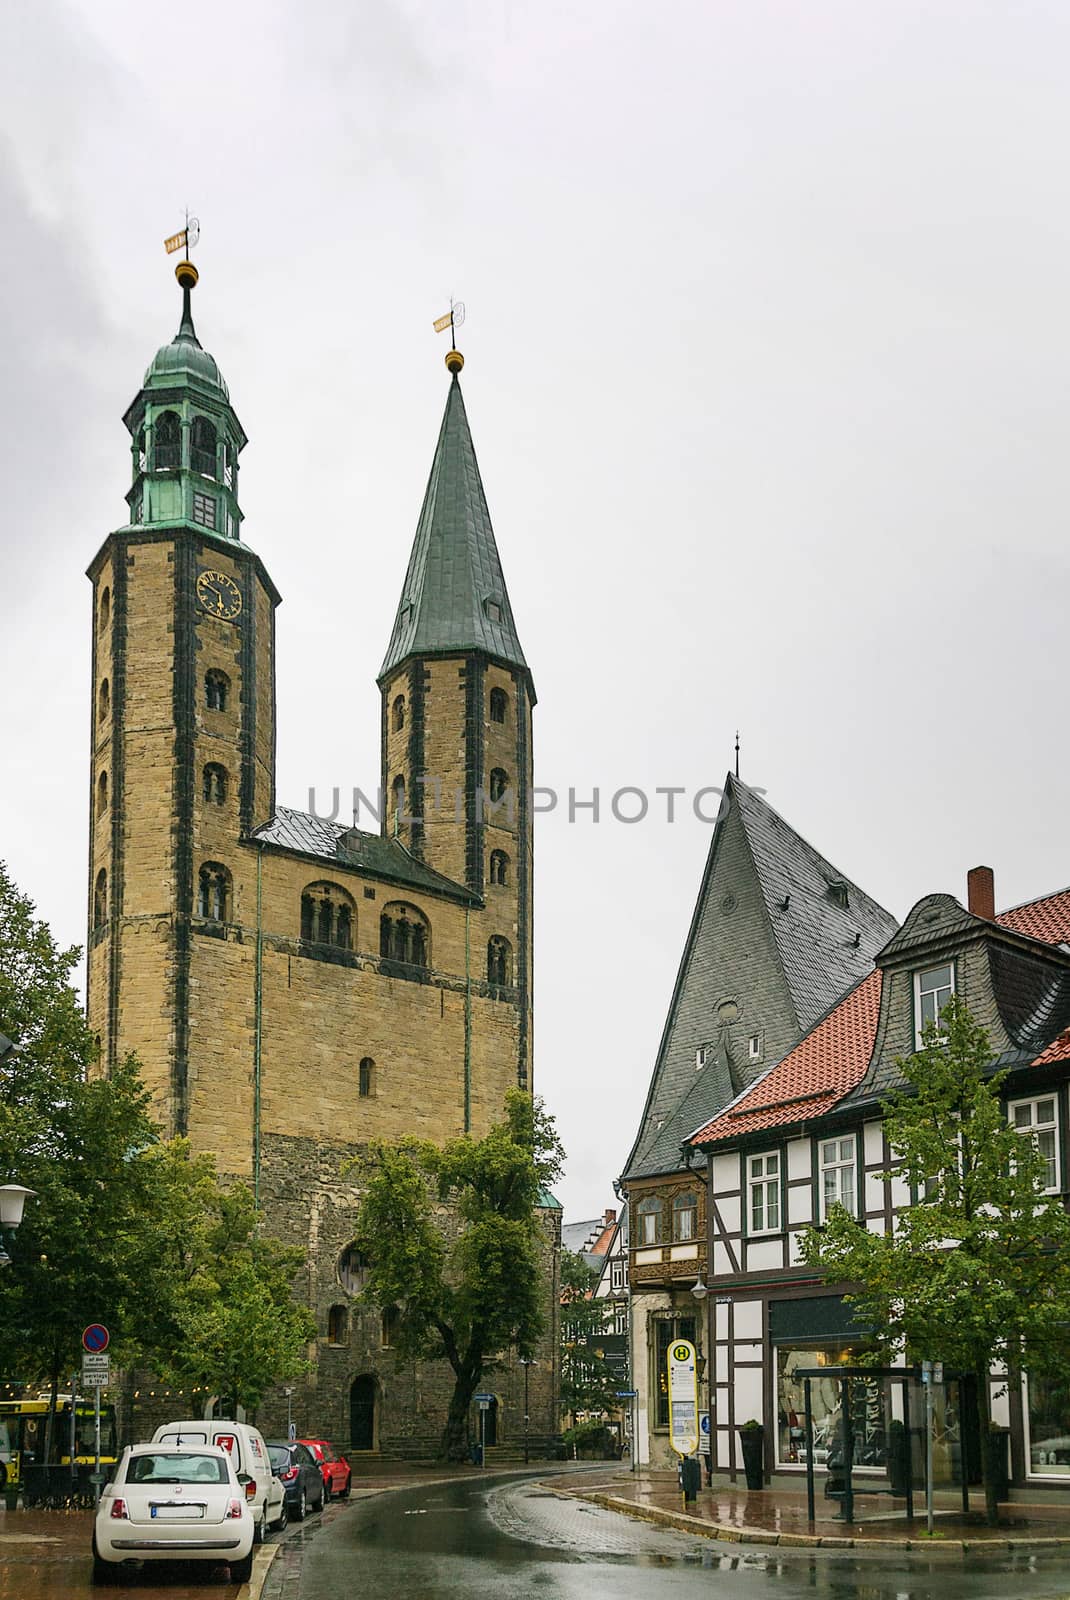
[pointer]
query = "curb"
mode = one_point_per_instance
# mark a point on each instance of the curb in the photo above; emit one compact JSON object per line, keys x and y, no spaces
{"x":262,"y":1560}
{"x":685,"y":1523}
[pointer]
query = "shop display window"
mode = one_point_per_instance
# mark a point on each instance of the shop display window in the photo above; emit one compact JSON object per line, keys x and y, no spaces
{"x":1048,"y":1407}
{"x":867,"y":1406}
{"x":666,"y":1332}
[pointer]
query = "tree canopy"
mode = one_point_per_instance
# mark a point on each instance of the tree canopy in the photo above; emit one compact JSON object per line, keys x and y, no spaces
{"x":589,"y":1381}
{"x":977,"y":1272}
{"x":452,"y":1242}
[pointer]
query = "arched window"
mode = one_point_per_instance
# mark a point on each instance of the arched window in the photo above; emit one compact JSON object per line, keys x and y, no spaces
{"x":100,"y":899}
{"x":228,"y":464}
{"x":391,"y":1317}
{"x":167,"y":441}
{"x":338,"y":1325}
{"x":499,"y":961}
{"x":404,"y":935}
{"x":105,"y":608}
{"x":213,"y":892}
{"x":397,"y":802}
{"x":684,"y":1217}
{"x":327,"y":916}
{"x":397,"y":714}
{"x":216,"y":689}
{"x":202,"y":447}
{"x":367,"y":1077}
{"x":499,"y":782}
{"x":215,"y":784}
{"x":103,"y":701}
{"x":102,"y":794}
{"x":649,"y":1229}
{"x":499,"y":701}
{"x":352,"y":1269}
{"x":499,"y":867}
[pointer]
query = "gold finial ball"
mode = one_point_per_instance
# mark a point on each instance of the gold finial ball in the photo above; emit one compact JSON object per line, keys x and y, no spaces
{"x":187,"y":274}
{"x":454,"y":361}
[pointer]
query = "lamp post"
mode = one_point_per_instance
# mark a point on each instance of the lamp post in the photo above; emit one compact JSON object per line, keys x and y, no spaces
{"x":13,"y":1198}
{"x":527,"y":1362}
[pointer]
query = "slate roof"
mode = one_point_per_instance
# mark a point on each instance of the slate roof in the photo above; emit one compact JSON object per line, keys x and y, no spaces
{"x":333,"y":842}
{"x":813,"y":1077}
{"x":454,"y":597}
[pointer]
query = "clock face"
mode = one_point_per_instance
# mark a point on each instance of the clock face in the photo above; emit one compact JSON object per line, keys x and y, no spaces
{"x":219,"y":595}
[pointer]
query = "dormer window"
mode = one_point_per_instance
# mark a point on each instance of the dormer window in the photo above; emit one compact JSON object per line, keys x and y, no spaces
{"x":933,"y":988}
{"x":493,"y":609}
{"x":838,"y":893}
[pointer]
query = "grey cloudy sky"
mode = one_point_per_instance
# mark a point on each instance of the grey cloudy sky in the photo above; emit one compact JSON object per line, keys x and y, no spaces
{"x":767,"y":371}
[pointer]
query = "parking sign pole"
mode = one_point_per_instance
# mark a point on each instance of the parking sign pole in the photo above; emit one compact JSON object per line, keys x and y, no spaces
{"x":96,"y":1445}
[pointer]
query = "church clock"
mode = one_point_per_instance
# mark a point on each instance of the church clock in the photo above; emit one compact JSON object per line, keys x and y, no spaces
{"x":218,"y":595}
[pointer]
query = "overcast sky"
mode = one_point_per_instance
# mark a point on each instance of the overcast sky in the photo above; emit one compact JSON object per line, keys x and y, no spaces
{"x":767,"y":371}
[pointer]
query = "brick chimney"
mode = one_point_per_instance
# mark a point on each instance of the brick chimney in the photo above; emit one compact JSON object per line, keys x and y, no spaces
{"x":611,"y":1217}
{"x":981,"y":892}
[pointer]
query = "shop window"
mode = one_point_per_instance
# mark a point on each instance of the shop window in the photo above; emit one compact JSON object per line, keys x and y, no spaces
{"x":404,"y":935}
{"x":366,"y":1078}
{"x":167,"y":441}
{"x":1048,"y":1416}
{"x":327,"y":916}
{"x":213,"y":892}
{"x":684,"y":1217}
{"x":499,"y":867}
{"x":215,"y":784}
{"x":499,"y":701}
{"x":763,"y":1193}
{"x":868,"y":1421}
{"x":353,"y":1267}
{"x":100,"y":899}
{"x":648,"y":1215}
{"x":839,"y":1185}
{"x":666,"y":1331}
{"x":933,"y":988}
{"x":338,"y":1325}
{"x":103,"y":701}
{"x":397,"y":715}
{"x":499,"y":962}
{"x":1040,"y":1121}
{"x":216,"y":690}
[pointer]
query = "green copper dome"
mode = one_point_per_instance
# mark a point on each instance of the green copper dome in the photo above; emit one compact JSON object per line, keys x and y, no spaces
{"x":184,"y":358}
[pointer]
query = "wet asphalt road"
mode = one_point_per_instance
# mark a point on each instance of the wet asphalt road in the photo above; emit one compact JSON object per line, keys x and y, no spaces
{"x":518,"y":1541}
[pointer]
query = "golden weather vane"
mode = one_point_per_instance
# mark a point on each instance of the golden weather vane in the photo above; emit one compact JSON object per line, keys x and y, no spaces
{"x":185,"y":237}
{"x":452,"y":320}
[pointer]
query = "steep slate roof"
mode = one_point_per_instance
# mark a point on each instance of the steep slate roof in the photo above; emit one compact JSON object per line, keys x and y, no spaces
{"x":814,"y":936}
{"x":333,"y":842}
{"x":455,"y":575}
{"x":812,"y":1077}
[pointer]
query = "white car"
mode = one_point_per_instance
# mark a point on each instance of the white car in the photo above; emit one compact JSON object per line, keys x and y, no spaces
{"x":170,"y":1502}
{"x":245,"y":1446}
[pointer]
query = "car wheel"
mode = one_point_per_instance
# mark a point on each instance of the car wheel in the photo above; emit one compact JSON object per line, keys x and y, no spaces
{"x":241,"y":1571}
{"x":279,"y":1525}
{"x":345,"y":1491}
{"x":104,"y":1572}
{"x":327,"y":1490}
{"x":258,"y":1526}
{"x":322,"y":1499}
{"x":302,"y":1507}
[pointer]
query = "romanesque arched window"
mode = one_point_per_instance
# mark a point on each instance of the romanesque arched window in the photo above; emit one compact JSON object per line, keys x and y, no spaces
{"x":338,"y":1325}
{"x":167,"y":441}
{"x":352,"y":1269}
{"x":397,"y":713}
{"x":499,"y":867}
{"x":216,"y":689}
{"x":366,"y":1078}
{"x":100,"y":899}
{"x":649,"y":1218}
{"x":202,"y":447}
{"x":327,"y":916}
{"x":684,"y":1217}
{"x":397,"y":802}
{"x":499,"y":962}
{"x":499,"y":701}
{"x":499,"y":783}
{"x":215,"y":784}
{"x":213,"y":892}
{"x":102,"y":794}
{"x":404,"y":935}
{"x":104,"y":609}
{"x":103,"y":701}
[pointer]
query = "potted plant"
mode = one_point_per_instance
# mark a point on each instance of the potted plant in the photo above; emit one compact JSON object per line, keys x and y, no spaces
{"x":897,"y":1456}
{"x":752,"y":1442}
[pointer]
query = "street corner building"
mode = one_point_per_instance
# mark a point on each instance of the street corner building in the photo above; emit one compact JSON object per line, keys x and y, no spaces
{"x":294,"y":987}
{"x":797,"y":997}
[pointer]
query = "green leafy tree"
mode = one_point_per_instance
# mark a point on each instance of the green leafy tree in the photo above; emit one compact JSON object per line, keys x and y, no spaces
{"x":452,"y":1241}
{"x":588,"y":1381}
{"x":977,"y":1272}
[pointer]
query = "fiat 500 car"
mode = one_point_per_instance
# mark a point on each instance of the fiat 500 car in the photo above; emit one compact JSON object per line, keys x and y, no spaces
{"x":173,"y":1503}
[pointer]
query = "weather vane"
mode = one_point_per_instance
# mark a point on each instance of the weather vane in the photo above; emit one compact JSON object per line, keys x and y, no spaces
{"x":452,"y":320}
{"x":186,"y":236}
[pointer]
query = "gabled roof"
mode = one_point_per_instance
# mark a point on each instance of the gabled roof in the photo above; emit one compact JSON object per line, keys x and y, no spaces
{"x":813,"y":1077}
{"x":333,"y":842}
{"x":454,"y":598}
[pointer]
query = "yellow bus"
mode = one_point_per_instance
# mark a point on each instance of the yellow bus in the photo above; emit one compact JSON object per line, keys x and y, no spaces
{"x":23,"y":1425}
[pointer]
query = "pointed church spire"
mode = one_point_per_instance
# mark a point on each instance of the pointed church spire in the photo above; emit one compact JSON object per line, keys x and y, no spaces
{"x":454,"y":599}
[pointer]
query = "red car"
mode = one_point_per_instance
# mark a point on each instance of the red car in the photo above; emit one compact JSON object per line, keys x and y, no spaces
{"x":335,"y":1468}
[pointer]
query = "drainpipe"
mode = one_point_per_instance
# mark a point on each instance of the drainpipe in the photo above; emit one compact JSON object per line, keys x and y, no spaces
{"x":467,"y":1019}
{"x":258,"y":1012}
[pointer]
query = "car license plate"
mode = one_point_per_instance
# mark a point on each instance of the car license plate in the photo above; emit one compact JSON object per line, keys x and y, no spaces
{"x":176,"y":1513}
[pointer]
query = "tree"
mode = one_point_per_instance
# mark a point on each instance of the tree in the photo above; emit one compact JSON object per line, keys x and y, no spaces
{"x":452,"y":1241}
{"x":978,"y":1272}
{"x":588,"y":1381}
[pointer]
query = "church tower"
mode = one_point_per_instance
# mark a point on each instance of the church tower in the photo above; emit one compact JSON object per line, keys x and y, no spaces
{"x":457,"y":699}
{"x":183,"y":725}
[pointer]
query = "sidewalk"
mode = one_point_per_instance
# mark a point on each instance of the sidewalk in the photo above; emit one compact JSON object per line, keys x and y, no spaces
{"x":778,"y":1516}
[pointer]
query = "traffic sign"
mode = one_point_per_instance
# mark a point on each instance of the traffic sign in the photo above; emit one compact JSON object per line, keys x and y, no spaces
{"x":484,"y":1399}
{"x":95,"y":1337}
{"x":683,"y":1397}
{"x":96,"y":1370}
{"x":626,"y":1394}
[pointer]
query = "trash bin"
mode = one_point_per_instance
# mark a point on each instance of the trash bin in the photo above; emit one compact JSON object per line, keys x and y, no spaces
{"x":475,"y":1450}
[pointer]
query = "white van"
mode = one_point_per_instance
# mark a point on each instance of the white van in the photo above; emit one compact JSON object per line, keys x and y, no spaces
{"x":247,"y":1450}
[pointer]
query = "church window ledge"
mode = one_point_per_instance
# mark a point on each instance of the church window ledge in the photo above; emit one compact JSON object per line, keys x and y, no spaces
{"x":403,"y":969}
{"x":308,"y":950}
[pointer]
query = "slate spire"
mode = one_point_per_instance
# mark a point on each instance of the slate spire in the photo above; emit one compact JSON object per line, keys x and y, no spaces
{"x":454,"y":600}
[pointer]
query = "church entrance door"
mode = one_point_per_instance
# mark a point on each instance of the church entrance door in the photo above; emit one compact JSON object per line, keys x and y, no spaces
{"x":362,"y":1401}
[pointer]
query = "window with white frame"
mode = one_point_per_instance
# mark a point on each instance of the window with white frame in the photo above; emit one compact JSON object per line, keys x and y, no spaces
{"x":763,"y":1193}
{"x":933,"y":988}
{"x":649,"y":1215}
{"x":839,"y":1186}
{"x":617,"y":1274}
{"x":1040,"y":1120}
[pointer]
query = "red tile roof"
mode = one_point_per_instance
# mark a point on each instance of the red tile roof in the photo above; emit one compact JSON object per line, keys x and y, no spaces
{"x":814,"y":1076}
{"x":833,"y":1056}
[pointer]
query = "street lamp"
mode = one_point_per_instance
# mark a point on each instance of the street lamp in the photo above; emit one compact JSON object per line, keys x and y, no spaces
{"x":13,"y":1198}
{"x":699,"y":1289}
{"x":527,"y":1362}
